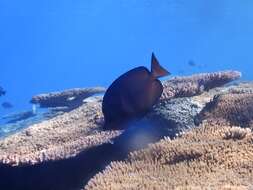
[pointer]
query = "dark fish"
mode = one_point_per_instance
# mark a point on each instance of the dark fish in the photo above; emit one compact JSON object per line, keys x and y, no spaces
{"x":132,"y":95}
{"x":7,"y":105}
{"x":2,"y":91}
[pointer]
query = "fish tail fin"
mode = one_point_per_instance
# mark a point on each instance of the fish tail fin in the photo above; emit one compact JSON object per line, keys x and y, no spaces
{"x":156,"y":69}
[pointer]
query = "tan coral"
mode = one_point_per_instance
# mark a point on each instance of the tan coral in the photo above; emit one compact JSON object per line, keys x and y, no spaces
{"x":243,"y":87}
{"x":237,"y":109}
{"x":69,"y":98}
{"x":59,"y":138}
{"x":200,"y":159}
{"x":196,"y":84}
{"x":70,"y":133}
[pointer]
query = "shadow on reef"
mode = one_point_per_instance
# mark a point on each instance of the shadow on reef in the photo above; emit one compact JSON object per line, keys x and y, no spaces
{"x":73,"y":173}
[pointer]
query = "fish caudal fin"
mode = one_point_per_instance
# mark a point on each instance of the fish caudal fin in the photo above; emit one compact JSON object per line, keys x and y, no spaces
{"x":156,"y":69}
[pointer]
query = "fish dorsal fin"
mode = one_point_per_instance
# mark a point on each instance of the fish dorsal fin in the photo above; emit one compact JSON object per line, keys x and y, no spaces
{"x":156,"y":69}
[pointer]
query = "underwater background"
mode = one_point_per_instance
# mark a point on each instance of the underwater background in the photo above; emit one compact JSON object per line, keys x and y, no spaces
{"x":192,"y":131}
{"x":55,"y":45}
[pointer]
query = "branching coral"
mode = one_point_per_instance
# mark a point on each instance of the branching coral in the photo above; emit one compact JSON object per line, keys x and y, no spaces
{"x":196,"y":84}
{"x":204,"y":158}
{"x":69,"y":98}
{"x":237,"y":133}
{"x":237,"y":109}
{"x":210,"y":155}
{"x":58,"y":138}
{"x":175,"y":115}
{"x":242,"y":87}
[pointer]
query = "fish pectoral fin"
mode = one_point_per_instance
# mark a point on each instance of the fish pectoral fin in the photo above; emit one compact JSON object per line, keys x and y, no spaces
{"x":156,"y":69}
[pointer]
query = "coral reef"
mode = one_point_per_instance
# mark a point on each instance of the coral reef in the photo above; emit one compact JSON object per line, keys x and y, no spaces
{"x":58,"y":153}
{"x":197,"y":84}
{"x":61,"y":137}
{"x":242,"y":87}
{"x":213,"y":156}
{"x":71,"y":98}
{"x":235,"y":108}
{"x":178,"y":114}
{"x":64,"y":152}
{"x":18,"y":121}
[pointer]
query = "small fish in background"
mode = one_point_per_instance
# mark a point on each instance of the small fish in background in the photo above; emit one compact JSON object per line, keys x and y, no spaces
{"x":2,"y":91}
{"x":132,"y":95}
{"x":7,"y":105}
{"x":192,"y":63}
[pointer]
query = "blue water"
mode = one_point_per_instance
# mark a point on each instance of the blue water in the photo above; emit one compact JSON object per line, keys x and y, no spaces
{"x":57,"y":44}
